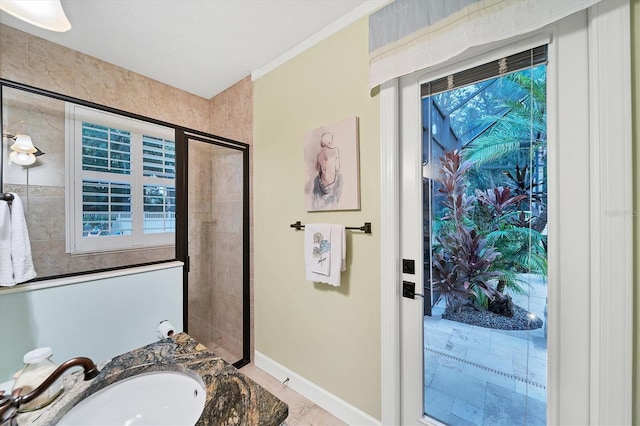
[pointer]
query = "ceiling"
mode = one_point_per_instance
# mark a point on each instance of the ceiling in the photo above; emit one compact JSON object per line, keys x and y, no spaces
{"x":200,"y":46}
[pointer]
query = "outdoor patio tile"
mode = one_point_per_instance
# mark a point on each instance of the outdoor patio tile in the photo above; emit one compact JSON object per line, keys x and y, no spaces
{"x":540,"y":346}
{"x":505,"y":343}
{"x":533,"y":369}
{"x":437,"y":404}
{"x":442,"y":326}
{"x":501,"y":361}
{"x":471,"y":338}
{"x":445,"y":365}
{"x":447,"y":325}
{"x":428,"y":378}
{"x":520,"y":334}
{"x":449,"y":347}
{"x":457,"y":390}
{"x":468,"y":412}
{"x":459,"y":421}
{"x":490,"y":377}
{"x":436,"y":338}
{"x":461,"y":326}
{"x":431,"y":357}
{"x":460,"y":385}
{"x":504,"y":407}
{"x":531,"y":391}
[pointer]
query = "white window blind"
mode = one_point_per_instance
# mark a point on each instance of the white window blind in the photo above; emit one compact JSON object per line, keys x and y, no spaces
{"x":121,"y":183}
{"x":159,"y":157}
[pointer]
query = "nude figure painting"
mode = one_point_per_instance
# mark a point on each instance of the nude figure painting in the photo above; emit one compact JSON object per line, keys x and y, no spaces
{"x":332,"y":167}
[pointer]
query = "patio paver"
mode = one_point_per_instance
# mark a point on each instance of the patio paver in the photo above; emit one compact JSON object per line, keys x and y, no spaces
{"x":481,"y":376}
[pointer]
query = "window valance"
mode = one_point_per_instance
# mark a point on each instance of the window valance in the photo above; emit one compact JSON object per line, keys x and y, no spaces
{"x":410,"y":35}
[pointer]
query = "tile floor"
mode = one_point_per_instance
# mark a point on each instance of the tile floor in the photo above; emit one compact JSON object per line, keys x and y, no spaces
{"x":302,"y":412}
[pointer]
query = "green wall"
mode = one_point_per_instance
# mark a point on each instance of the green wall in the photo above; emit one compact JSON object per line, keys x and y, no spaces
{"x":330,"y":336}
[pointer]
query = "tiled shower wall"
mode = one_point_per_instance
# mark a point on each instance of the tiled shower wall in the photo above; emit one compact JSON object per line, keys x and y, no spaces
{"x":31,"y":60}
{"x":216,"y":248}
{"x":231,"y":116}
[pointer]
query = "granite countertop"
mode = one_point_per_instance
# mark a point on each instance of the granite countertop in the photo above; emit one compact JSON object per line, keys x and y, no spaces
{"x":232,"y":398}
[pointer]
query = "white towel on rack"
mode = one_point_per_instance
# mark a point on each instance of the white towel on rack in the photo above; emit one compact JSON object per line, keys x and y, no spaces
{"x":337,"y":256}
{"x":6,"y":268}
{"x":317,"y":247}
{"x":21,"y":260}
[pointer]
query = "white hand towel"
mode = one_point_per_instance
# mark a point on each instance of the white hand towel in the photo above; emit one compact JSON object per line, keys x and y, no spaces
{"x":337,"y":256}
{"x":23,"y":269}
{"x":317,"y":247}
{"x":6,"y":268}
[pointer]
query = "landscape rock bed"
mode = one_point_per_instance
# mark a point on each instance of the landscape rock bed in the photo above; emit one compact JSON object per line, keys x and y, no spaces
{"x":472,"y":316}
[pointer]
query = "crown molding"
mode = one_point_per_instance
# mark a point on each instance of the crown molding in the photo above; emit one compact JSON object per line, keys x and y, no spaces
{"x":363,"y":10}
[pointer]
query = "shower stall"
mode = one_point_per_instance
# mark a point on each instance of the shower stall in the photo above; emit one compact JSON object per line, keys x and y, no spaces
{"x":216,"y":310}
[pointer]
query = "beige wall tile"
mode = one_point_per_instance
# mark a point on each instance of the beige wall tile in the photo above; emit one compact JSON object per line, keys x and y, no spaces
{"x":34,"y":61}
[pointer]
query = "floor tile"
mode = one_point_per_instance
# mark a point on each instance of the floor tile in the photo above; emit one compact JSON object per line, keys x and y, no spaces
{"x":302,"y":412}
{"x":319,"y":417}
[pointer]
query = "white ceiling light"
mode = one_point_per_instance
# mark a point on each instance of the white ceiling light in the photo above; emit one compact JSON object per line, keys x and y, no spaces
{"x":47,"y":14}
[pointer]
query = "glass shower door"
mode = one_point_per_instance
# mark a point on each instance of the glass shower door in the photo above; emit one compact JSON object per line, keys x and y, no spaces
{"x":217,"y":295}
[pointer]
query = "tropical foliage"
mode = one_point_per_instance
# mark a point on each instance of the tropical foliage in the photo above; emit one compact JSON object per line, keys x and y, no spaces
{"x":462,"y":258}
{"x":481,"y":238}
{"x":489,"y":227}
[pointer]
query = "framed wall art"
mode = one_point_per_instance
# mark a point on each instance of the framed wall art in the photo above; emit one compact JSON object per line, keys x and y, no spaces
{"x":332,"y":167}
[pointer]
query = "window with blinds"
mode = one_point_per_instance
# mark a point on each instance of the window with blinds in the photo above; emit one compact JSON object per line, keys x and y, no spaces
{"x":121,"y":187}
{"x":519,"y":61}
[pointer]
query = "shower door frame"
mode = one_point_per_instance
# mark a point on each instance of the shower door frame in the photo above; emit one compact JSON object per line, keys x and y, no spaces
{"x":183,"y":136}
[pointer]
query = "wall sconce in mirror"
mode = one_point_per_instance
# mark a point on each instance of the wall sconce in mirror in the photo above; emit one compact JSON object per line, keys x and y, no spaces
{"x":23,"y":152}
{"x":47,"y":14}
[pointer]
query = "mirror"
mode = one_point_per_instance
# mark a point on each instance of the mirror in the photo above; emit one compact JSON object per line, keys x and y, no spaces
{"x":101,"y":192}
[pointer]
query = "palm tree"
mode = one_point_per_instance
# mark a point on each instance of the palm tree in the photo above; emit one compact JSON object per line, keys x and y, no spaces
{"x":520,"y":124}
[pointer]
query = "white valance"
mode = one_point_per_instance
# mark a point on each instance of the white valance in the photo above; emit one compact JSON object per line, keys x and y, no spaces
{"x":410,"y":35}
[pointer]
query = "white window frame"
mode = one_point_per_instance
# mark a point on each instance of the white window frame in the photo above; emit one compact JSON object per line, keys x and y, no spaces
{"x":75,"y":242}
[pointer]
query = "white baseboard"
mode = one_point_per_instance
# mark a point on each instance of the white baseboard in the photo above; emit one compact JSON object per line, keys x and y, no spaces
{"x":334,"y":405}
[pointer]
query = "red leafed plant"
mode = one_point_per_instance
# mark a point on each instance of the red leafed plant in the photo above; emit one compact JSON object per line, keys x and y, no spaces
{"x":462,"y":258}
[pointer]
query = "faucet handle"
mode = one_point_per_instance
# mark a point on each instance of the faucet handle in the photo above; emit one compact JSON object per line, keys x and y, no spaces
{"x":9,"y":407}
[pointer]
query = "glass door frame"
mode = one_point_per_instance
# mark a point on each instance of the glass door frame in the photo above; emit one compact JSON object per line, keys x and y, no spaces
{"x":182,"y":241}
{"x":609,"y":396}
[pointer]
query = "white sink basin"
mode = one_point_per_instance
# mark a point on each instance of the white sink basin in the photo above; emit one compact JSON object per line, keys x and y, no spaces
{"x":158,"y":398}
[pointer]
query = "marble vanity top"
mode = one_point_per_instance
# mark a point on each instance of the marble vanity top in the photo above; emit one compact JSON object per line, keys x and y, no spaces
{"x":232,"y":398}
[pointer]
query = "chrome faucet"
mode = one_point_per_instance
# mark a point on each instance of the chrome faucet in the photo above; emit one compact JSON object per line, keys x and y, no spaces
{"x":9,"y":405}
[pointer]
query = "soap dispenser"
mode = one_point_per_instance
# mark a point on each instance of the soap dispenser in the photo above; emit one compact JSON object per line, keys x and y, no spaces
{"x":38,"y":366}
